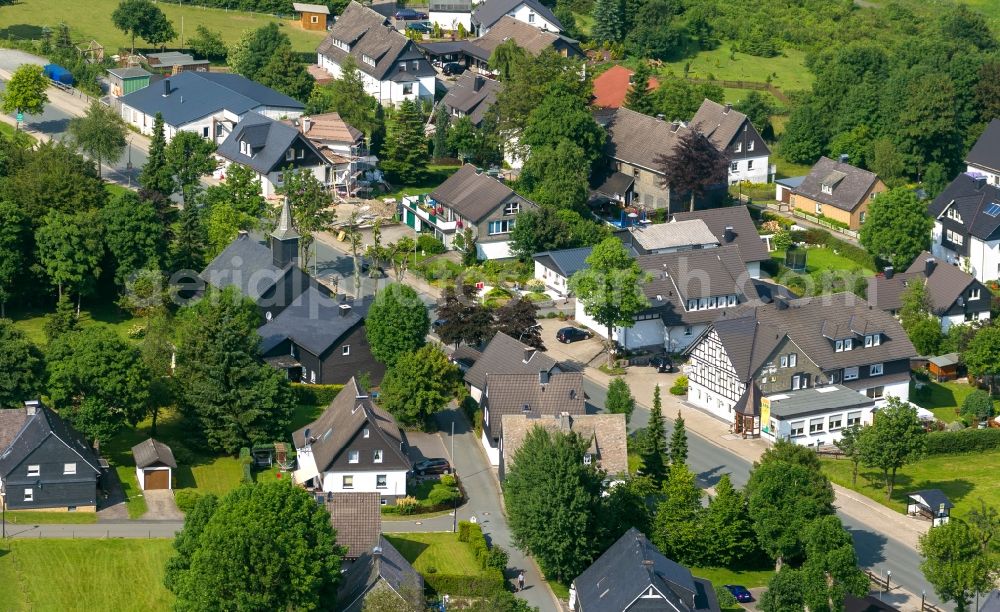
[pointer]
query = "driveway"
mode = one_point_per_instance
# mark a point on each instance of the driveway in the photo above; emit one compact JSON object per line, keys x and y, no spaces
{"x":576,"y":355}
{"x":161,"y":506}
{"x":425,"y":446}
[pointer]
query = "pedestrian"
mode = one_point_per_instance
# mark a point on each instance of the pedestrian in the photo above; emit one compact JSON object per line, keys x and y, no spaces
{"x":520,"y":581}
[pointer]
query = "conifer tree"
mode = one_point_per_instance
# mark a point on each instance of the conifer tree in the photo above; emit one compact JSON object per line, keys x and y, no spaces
{"x":678,"y":442}
{"x":639,"y":97}
{"x":654,"y":447}
{"x":404,"y":157}
{"x":155,"y":175}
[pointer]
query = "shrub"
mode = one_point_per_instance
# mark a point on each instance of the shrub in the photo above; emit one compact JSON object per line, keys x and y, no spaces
{"x":186,"y":499}
{"x":315,"y":395}
{"x":496,"y":558}
{"x":430,"y":245}
{"x":407,"y":505}
{"x":726,"y":599}
{"x":963,"y":441}
{"x":680,"y":386}
{"x":449,"y":480}
{"x":246,"y":462}
{"x":978,"y":405}
{"x":485,"y":585}
{"x":463,"y":531}
{"x":782,"y":240}
{"x":443,"y":495}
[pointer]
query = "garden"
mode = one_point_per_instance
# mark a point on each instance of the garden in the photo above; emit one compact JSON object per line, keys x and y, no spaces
{"x":428,"y":495}
{"x":831,"y":265}
{"x":462,"y":564}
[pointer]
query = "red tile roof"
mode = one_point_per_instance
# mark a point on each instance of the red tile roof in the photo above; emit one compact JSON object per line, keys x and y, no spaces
{"x":611,"y":86}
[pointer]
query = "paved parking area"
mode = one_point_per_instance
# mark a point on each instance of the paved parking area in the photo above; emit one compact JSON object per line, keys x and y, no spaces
{"x":426,"y":446}
{"x":161,"y":506}
{"x":577,"y":355}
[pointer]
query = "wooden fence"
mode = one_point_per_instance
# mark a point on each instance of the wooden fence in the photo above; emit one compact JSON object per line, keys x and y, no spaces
{"x":777,"y":93}
{"x":833,"y":226}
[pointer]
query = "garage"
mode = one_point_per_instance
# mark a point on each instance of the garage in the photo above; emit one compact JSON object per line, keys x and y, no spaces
{"x":154,"y":465}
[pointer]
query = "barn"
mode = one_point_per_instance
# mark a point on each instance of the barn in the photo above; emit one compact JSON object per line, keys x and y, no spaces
{"x":154,"y":465}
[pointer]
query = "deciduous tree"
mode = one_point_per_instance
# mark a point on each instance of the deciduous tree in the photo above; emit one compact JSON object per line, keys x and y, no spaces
{"x":955,"y":564}
{"x":133,"y":236}
{"x":255,"y":48}
{"x":144,"y":19}
{"x":556,"y":176}
{"x":848,"y":444}
{"x":726,"y":526}
{"x":53,"y":176}
{"x":419,"y":384}
{"x":208,"y":44}
{"x":562,"y":115}
{"x":982,"y":354}
{"x":397,"y":323}
{"x":785,"y":592}
{"x":189,"y":157}
{"x":310,"y":202}
{"x":693,"y":166}
{"x":464,"y":317}
{"x":70,"y":249}
{"x":978,"y":406}
{"x":22,"y":368}
{"x":831,"y":569}
{"x":677,"y":527}
{"x":25,"y":92}
{"x":620,"y":400}
{"x":100,"y":134}
{"x":518,"y":318}
{"x":285,"y":73}
{"x":13,"y":244}
{"x":895,"y":438}
{"x":897,"y":228}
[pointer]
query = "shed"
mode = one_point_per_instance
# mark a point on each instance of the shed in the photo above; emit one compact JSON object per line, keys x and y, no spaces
{"x":944,"y":367}
{"x":154,"y":465}
{"x":783,"y":188}
{"x":313,"y":16}
{"x":126,"y":80}
{"x":930,"y":503}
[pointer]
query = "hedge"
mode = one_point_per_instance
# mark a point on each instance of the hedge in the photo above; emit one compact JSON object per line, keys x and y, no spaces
{"x":315,"y":395}
{"x":484,"y":585}
{"x":824,"y":238}
{"x":962,"y":441}
{"x":246,"y":462}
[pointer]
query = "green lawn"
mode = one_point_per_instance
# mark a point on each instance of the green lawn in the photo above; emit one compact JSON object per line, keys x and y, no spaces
{"x":27,"y":517}
{"x":84,"y":574}
{"x":436,"y":552}
{"x":944,"y":399}
{"x":787,"y":71}
{"x":436,"y":174}
{"x":720,"y":576}
{"x":823,"y":258}
{"x":25,"y":19}
{"x":32,"y":322}
{"x":965,"y":479}
{"x":735,"y":96}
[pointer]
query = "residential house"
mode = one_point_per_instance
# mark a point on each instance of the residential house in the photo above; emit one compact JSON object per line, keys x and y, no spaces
{"x":838,"y":191}
{"x":505,"y":355}
{"x":44,"y":463}
{"x":605,"y":435}
{"x":812,"y":416}
{"x":967,"y":225}
{"x":321,"y":339}
{"x":450,"y":14}
{"x":353,"y":446}
{"x":686,"y":292}
{"x":392,"y":68}
{"x":633,"y":576}
{"x":733,"y":225}
{"x":356,"y":516}
{"x":531,"y":12}
{"x":312,"y":16}
{"x":671,"y":237}
{"x":154,"y":465}
{"x":175,"y":62}
{"x":984,"y":156}
{"x":124,"y":81}
{"x":612,"y":86}
{"x":532,"y":39}
{"x":382,"y":567}
{"x":468,"y":199}
{"x":789,"y":345}
{"x":732,"y":133}
{"x":471,"y":96}
{"x":270,"y":148}
{"x":353,"y":168}
{"x":783,"y":188}
{"x":538,"y":395}
{"x":209,"y":104}
{"x":955,"y":296}
{"x":554,"y":268}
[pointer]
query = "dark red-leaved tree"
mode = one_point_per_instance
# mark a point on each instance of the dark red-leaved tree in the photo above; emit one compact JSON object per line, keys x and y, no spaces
{"x":693,"y":166}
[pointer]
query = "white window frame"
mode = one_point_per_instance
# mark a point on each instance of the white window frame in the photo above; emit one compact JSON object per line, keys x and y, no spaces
{"x":407,"y":89}
{"x":749,"y":164}
{"x":29,"y":495}
{"x":793,"y":359}
{"x":290,"y":154}
{"x":850,"y":373}
{"x":512,"y":208}
{"x":353,"y":456}
{"x":377,"y":455}
{"x":974,"y":294}
{"x":848,"y":344}
{"x":796,"y":382}
{"x":345,"y":350}
{"x":784,"y":361}
{"x":734,"y":167}
{"x":384,"y":479}
{"x":816,"y":425}
{"x":34,"y":470}
{"x":836,"y":422}
{"x":798,"y":429}
{"x":854,"y":418}
{"x":750,"y":145}
{"x":365,"y":432}
{"x":838,"y":346}
{"x":347,"y":481}
{"x":69,"y":469}
{"x":876,"y":369}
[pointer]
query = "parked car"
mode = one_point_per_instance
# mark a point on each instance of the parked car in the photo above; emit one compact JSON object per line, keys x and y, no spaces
{"x":452,"y":68}
{"x":741,"y":593}
{"x":572,"y":334}
{"x":409,"y":15}
{"x":436,"y":465}
{"x":438,"y":323}
{"x":662,"y":363}
{"x":420,"y":26}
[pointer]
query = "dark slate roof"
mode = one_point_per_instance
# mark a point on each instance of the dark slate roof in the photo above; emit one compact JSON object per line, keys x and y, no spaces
{"x":491,"y":11}
{"x":628,"y":568}
{"x":791,"y":182}
{"x":342,"y":420}
{"x":534,"y":395}
{"x":365,"y":573}
{"x":528,"y":37}
{"x":639,"y":139}
{"x":752,"y":248}
{"x":206,"y":93}
{"x":972,"y":197}
{"x":153,"y":452}
{"x":566,"y":262}
{"x":615,"y":185}
{"x":871,"y":604}
{"x":246,"y":264}
{"x":474,"y":194}
{"x":314,"y":321}
{"x":748,"y":343}
{"x":505,"y":355}
{"x":357,"y":518}
{"x":986,"y":152}
{"x":35,"y":429}
{"x":367,"y":33}
{"x":933,"y":498}
{"x":850,"y":184}
{"x":721,"y":124}
{"x":945,"y":285}
{"x":790,"y":404}
{"x":268,"y":140}
{"x":473,"y":95}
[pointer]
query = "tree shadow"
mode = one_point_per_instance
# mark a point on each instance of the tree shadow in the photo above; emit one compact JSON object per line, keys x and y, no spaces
{"x":51,"y":126}
{"x":712,"y":476}
{"x":869,"y":546}
{"x":22,"y":31}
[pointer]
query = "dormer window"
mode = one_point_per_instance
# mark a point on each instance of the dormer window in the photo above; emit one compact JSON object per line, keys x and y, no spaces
{"x":873,"y":340}
{"x":512,"y":209}
{"x":954,"y":215}
{"x":245,"y":148}
{"x":368,"y":59}
{"x":587,"y":459}
{"x":341,"y":45}
{"x":846,"y":344}
{"x":826,"y":188}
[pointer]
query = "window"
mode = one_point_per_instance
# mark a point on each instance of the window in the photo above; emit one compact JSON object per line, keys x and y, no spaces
{"x":732,"y":300}
{"x":587,"y":459}
{"x":750,"y":145}
{"x":380,"y":481}
{"x":733,"y":167}
{"x":954,"y":237}
{"x":503,"y":226}
{"x":218,"y":130}
{"x":415,"y":64}
{"x":836,"y":422}
{"x":861,"y":218}
{"x":402,"y":66}
{"x":348,"y":482}
{"x":815,"y":425}
{"x":635,"y":173}
{"x":377,"y":456}
{"x":798,"y":428}
{"x":875,"y":369}
{"x":407,"y":89}
{"x":819,"y":208}
{"x":368,"y":60}
{"x":314,"y":19}
{"x":34,"y":470}
{"x":384,"y":501}
{"x":204,"y":132}
{"x":974,"y":294}
{"x":854,"y":418}
{"x":784,"y":361}
{"x":739,"y":147}
{"x":954,"y":215}
{"x":692,"y":304}
{"x":531,"y":18}
{"x":511,"y":209}
{"x":793,"y":359}
{"x":365,"y":433}
{"x":312,"y":376}
{"x":796,"y":382}
{"x":875,"y":392}
{"x":245,"y":148}
{"x":848,"y":344}
{"x":69,"y":469}
{"x":873,"y":340}
{"x":290,"y":154}
{"x":29,"y":495}
{"x":687,"y":330}
{"x":345,"y":350}
{"x":352,"y":456}
{"x":302,"y":153}
{"x":851,"y":373}
{"x":827,"y":189}
{"x":838,"y":346}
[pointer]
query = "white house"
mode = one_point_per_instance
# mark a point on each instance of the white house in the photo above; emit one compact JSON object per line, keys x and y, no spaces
{"x":733,"y":134}
{"x":207,"y":103}
{"x":450,"y":14}
{"x":555,"y":267}
{"x":967,"y":225}
{"x":532,"y":12}
{"x":815,"y":416}
{"x":353,"y":446}
{"x":391,"y":66}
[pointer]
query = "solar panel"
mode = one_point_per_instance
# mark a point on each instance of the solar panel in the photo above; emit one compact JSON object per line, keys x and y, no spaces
{"x":993,"y":209}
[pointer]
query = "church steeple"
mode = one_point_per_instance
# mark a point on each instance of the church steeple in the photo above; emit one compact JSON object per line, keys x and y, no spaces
{"x":285,"y":239}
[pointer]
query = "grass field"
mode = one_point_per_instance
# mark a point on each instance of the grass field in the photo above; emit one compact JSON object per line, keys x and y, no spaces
{"x":720,"y":576}
{"x":943,"y":399}
{"x":823,"y":258}
{"x":787,"y":71}
{"x":436,"y":552}
{"x":964,"y":479}
{"x":84,"y":574}
{"x":32,"y":322}
{"x":436,"y":174}
{"x":27,"y":517}
{"x":26,"y":18}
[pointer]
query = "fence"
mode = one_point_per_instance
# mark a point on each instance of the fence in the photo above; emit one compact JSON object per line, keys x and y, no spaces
{"x":833,"y":226}
{"x":777,"y":93}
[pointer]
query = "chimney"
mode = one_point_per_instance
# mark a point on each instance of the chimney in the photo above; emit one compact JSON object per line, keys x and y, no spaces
{"x":477,"y":83}
{"x":528,"y":352}
{"x":889,"y":272}
{"x":242,"y":235}
{"x":676,"y":125}
{"x":377,"y":553}
{"x":929,"y":264}
{"x":306,"y":124}
{"x":729,"y":235}
{"x":782,"y":303}
{"x":844,"y":157}
{"x":31,"y":407}
{"x":166,"y":87}
{"x":729,"y":107}
{"x":345,"y":309}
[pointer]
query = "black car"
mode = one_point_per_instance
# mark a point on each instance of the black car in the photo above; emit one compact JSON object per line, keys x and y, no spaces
{"x":741,"y":593}
{"x":436,"y":465}
{"x":439,"y":322}
{"x":572,"y":334}
{"x":409,"y":15}
{"x":662,"y":363}
{"x":452,"y":68}
{"x":420,"y":26}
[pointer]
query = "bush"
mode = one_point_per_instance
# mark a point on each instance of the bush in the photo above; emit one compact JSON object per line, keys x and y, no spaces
{"x":315,"y":395}
{"x":978,"y":405}
{"x":430,"y":245}
{"x":449,"y":480}
{"x":407,"y":505}
{"x":782,"y":240}
{"x":463,"y":531}
{"x":472,"y":412}
{"x":246,"y":462}
{"x":680,"y":386}
{"x":186,"y":499}
{"x":443,"y":495}
{"x":496,"y":558}
{"x":726,"y":599}
{"x":467,"y":586}
{"x":963,"y":441}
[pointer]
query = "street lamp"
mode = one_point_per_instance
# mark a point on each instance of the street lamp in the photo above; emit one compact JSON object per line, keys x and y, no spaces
{"x":128,"y":165}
